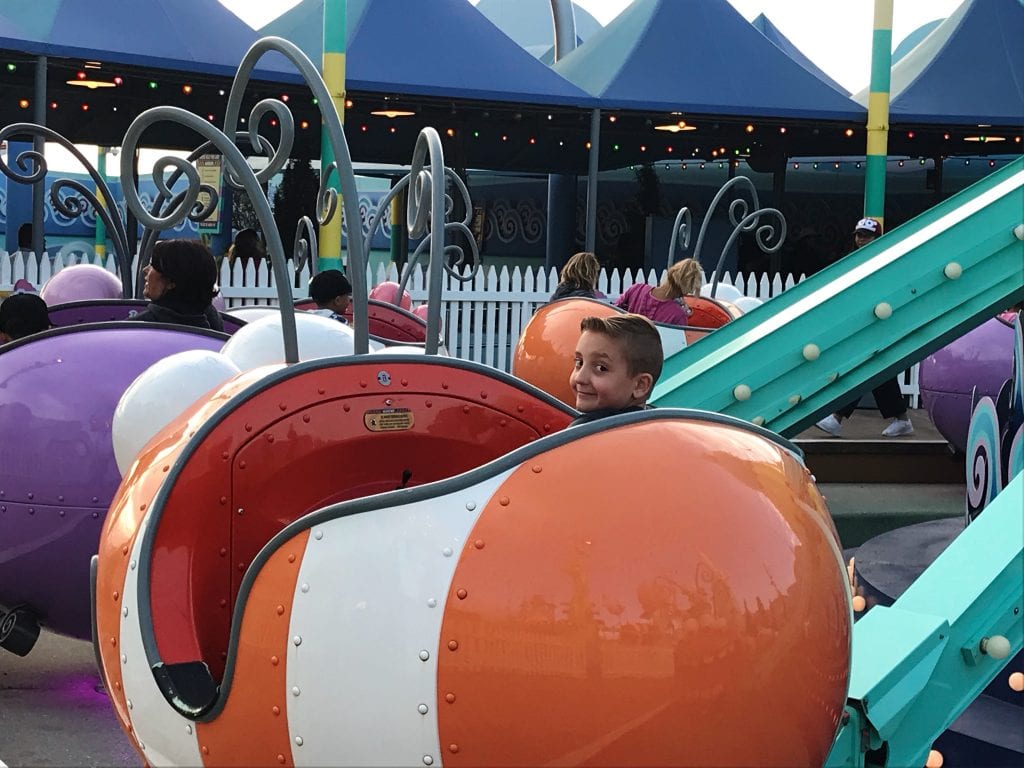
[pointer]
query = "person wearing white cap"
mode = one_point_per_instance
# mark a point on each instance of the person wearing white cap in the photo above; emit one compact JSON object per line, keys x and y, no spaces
{"x":888,"y":394}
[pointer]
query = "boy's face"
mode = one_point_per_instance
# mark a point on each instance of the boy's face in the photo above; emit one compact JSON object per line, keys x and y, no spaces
{"x":600,"y":377}
{"x":339,"y":304}
{"x":862,"y":237}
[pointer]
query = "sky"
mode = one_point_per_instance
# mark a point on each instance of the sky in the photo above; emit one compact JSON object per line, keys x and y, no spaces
{"x":834,"y":34}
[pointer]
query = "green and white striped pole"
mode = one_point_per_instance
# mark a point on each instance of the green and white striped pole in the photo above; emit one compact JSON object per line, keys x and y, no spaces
{"x":878,"y":112}
{"x":335,"y":32}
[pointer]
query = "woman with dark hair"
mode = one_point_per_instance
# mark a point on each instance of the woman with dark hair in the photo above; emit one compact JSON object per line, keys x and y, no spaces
{"x":181,"y":281}
{"x":247,"y":247}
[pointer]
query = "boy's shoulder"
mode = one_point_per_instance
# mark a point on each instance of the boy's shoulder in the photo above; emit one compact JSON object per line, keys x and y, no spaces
{"x":604,"y":413}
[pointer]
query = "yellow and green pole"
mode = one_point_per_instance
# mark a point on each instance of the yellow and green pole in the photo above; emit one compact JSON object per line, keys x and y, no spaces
{"x":101,"y":229}
{"x":335,"y":33}
{"x":878,"y":112}
{"x":398,"y":238}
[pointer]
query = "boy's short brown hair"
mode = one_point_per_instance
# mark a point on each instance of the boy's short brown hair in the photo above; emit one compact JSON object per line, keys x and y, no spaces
{"x":638,"y":338}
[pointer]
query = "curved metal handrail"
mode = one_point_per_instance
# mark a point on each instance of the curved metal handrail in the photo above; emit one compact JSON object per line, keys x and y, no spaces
{"x":183,"y":203}
{"x":305,"y":247}
{"x":149,"y":236}
{"x":240,"y":175}
{"x":341,"y":167}
{"x":762,"y":235}
{"x":75,"y":205}
{"x":425,"y":201}
{"x":449,"y":250}
{"x":681,"y":229}
{"x":420,"y":209}
{"x":743,"y":220}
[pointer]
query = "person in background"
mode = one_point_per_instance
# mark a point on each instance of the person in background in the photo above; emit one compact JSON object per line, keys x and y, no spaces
{"x":22,"y":314}
{"x":246,"y":248}
{"x":664,"y":303}
{"x":618,"y":360}
{"x":332,"y":293}
{"x":180,"y":283}
{"x":25,"y":232}
{"x":578,"y":277}
{"x":888,"y":395}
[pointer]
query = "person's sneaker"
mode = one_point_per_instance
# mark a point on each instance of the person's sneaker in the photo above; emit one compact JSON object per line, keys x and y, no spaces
{"x":831,"y":425}
{"x":898,"y":428}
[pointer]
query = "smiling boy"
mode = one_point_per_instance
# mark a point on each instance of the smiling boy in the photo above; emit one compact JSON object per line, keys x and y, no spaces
{"x":618,"y":360}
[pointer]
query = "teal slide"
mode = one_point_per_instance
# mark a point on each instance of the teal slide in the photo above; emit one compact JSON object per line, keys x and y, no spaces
{"x":865,"y":318}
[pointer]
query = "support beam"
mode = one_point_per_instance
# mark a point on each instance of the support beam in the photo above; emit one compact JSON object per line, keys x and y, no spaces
{"x":595,"y":156}
{"x":335,"y":40}
{"x":39,"y":145}
{"x":878,"y":112}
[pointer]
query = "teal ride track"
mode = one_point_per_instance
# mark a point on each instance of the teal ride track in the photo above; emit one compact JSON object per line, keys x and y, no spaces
{"x":920,"y":662}
{"x":865,"y":318}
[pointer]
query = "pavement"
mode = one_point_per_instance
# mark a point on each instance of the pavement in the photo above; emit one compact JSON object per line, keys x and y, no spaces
{"x":53,"y":711}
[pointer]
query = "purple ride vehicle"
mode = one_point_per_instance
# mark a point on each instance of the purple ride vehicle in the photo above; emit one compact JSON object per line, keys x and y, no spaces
{"x":58,"y":392}
{"x":981,"y":358}
{"x":104,"y":310}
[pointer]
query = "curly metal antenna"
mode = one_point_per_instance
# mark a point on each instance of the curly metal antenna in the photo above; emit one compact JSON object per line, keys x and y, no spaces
{"x":680,"y":232}
{"x":342,"y":164}
{"x":428,"y":146}
{"x":185,"y":202}
{"x":72,"y":206}
{"x":305,"y":246}
{"x":763,"y":235}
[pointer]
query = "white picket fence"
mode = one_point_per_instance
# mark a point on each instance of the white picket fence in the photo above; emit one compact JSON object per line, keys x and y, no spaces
{"x":482,"y":318}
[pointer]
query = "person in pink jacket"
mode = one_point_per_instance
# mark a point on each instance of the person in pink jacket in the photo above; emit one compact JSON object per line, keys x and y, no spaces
{"x":664,"y":303}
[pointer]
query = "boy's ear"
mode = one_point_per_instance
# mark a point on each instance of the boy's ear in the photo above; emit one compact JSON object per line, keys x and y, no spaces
{"x":643,"y":383}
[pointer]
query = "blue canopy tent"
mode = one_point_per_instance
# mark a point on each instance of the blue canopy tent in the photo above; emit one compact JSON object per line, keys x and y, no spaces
{"x":764,"y":25}
{"x":131,"y":56}
{"x":969,"y":71}
{"x":495,"y":104}
{"x":442,"y":48}
{"x":701,"y":57}
{"x":692,"y":78}
{"x":87,"y":67}
{"x":181,"y":35}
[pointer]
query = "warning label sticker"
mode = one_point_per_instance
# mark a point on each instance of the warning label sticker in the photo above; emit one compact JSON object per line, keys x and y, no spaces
{"x":388,"y":419}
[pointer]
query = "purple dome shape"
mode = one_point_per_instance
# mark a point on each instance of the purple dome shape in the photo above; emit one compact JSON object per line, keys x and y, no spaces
{"x":981,"y":358}
{"x":58,"y":392}
{"x":79,"y":282}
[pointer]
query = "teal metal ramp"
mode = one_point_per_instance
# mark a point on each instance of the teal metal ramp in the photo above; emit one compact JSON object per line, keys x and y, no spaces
{"x":865,"y":318}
